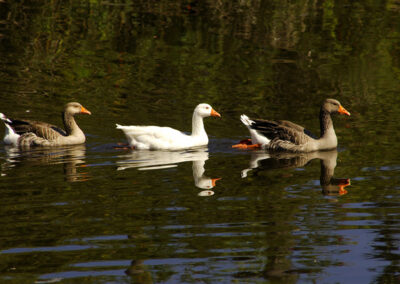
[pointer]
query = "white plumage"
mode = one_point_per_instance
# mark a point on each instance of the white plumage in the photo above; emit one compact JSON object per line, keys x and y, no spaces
{"x":256,"y":137}
{"x":10,"y":137}
{"x":166,"y":138}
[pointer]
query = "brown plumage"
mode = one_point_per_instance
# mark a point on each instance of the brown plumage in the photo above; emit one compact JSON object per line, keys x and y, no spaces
{"x":282,"y":135}
{"x":36,"y":133}
{"x":282,"y":131}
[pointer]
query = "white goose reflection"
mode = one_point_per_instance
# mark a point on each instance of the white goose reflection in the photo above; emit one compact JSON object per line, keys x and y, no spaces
{"x":154,"y":160}
{"x":72,"y":158}
{"x":262,"y":160}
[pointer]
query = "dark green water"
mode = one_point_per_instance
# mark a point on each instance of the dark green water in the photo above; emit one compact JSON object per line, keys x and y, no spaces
{"x":91,"y":213}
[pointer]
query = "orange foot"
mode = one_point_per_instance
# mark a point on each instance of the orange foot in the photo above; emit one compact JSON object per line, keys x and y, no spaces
{"x":214,"y":181}
{"x":246,"y":144}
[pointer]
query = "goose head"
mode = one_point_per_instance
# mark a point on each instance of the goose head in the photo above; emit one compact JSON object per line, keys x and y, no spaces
{"x":334,"y":106}
{"x":205,"y":110}
{"x":75,"y":108}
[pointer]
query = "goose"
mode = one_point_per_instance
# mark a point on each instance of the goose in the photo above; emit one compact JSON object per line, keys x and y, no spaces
{"x":166,"y":138}
{"x":282,"y":135}
{"x":27,"y":133}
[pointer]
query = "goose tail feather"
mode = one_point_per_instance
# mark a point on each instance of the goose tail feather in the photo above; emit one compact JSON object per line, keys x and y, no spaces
{"x":10,"y":137}
{"x":246,"y":120}
{"x":4,"y":118}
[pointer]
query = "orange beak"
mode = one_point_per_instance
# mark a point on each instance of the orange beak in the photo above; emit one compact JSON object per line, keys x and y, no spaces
{"x":214,"y":113}
{"x":85,"y":111}
{"x":214,"y":181}
{"x":342,"y":110}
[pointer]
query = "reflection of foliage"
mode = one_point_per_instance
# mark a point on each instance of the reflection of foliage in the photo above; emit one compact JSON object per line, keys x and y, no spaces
{"x":137,"y":45}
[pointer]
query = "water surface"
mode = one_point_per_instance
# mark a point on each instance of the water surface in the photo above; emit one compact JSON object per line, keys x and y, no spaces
{"x":93,"y":213}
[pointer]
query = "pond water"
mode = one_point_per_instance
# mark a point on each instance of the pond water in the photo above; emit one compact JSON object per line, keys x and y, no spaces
{"x":93,"y":213}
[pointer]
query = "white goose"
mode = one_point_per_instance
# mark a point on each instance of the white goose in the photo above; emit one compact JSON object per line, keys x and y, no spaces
{"x":166,"y":138}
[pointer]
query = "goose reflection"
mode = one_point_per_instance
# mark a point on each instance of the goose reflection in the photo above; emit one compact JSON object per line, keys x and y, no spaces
{"x":154,"y":160}
{"x":72,"y":158}
{"x":139,"y":272}
{"x":330,"y":185}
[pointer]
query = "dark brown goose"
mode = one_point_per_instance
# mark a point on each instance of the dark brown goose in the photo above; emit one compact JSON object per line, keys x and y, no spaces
{"x":282,"y":135}
{"x":27,"y":133}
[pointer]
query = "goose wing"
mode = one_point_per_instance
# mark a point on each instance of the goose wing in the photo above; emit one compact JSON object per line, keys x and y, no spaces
{"x":154,"y":136}
{"x":283,"y":130}
{"x":41,"y":129}
{"x":155,"y":132}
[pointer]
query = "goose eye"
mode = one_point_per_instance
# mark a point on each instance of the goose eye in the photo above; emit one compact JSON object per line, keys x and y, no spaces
{"x":207,"y":107}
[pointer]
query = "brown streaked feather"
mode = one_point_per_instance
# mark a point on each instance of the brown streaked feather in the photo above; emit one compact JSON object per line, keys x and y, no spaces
{"x":31,"y":139}
{"x":297,"y":127}
{"x":284,"y":145}
{"x":282,"y":130}
{"x":41,"y":129}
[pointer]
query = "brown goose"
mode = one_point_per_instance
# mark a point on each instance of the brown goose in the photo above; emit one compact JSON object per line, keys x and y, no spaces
{"x":282,"y":135}
{"x":26,"y":133}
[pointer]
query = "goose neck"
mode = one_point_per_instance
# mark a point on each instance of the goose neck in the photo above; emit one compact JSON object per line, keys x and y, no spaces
{"x":328,"y":139}
{"x":198,"y":125}
{"x":326,"y":123}
{"x":71,"y":128}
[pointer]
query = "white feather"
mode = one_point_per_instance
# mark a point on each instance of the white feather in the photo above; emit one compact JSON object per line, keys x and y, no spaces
{"x":166,"y":138}
{"x":10,"y":136}
{"x":256,"y":137}
{"x":4,"y":118}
